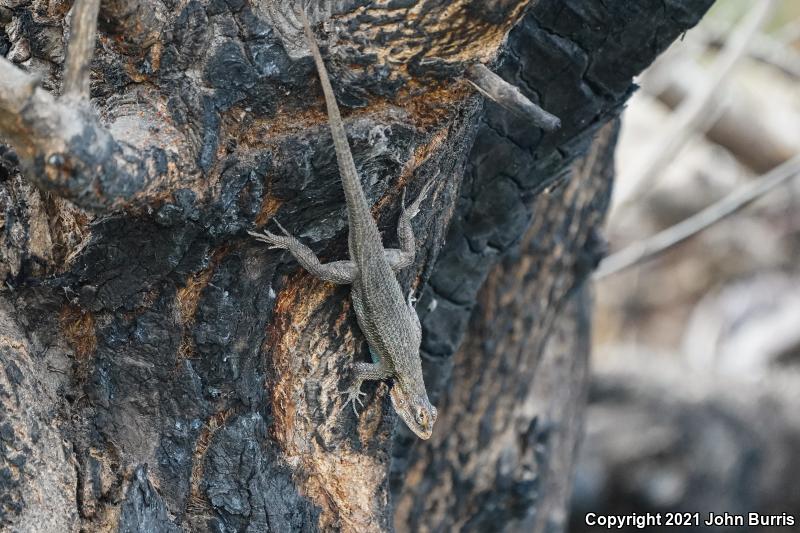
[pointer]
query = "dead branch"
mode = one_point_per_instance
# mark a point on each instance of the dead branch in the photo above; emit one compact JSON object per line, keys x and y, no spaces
{"x":647,"y":249}
{"x":697,"y":113}
{"x":509,"y":97}
{"x":739,"y":128}
{"x":763,"y":48}
{"x":66,"y":150}
{"x":83,"y":31}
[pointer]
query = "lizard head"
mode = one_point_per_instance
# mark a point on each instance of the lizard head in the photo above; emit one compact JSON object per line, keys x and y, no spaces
{"x":415,"y":410}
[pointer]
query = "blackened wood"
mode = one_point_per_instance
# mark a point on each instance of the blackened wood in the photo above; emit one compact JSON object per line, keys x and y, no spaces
{"x":159,"y":334}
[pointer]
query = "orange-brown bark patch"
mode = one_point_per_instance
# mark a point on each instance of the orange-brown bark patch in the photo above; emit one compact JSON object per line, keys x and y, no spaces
{"x":78,"y":328}
{"x":197,"y":502}
{"x":304,"y":350}
{"x":188,"y":296}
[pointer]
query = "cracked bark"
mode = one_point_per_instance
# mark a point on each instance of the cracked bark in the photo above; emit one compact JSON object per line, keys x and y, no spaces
{"x":164,"y":372}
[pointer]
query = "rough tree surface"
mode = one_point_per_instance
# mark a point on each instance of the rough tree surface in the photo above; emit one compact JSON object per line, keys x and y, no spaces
{"x":162,"y":371}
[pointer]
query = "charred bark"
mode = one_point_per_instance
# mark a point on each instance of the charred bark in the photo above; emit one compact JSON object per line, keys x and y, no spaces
{"x":512,"y":414}
{"x":164,"y":372}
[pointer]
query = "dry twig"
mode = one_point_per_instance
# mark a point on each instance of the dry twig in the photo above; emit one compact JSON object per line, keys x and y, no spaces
{"x":647,"y":249}
{"x":62,"y":146}
{"x":740,"y":127}
{"x":83,"y":31}
{"x":697,"y":113}
{"x":509,"y":97}
{"x":763,"y":48}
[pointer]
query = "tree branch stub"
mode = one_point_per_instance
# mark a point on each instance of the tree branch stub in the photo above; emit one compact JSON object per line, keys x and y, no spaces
{"x":83,"y":32}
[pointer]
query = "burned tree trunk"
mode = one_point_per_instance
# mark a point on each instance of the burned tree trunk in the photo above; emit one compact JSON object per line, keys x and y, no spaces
{"x":512,"y":414}
{"x":161,"y":371}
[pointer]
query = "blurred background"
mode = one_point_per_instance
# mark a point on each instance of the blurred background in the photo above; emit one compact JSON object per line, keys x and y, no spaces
{"x":695,"y":401}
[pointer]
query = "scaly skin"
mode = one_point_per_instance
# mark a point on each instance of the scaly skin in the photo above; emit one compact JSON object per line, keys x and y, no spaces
{"x":389,"y":322}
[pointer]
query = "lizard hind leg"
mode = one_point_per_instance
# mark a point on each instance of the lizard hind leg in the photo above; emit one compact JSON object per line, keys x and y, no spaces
{"x":404,"y":256}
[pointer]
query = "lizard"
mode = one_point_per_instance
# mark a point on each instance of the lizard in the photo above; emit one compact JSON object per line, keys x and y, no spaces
{"x":388,"y":320}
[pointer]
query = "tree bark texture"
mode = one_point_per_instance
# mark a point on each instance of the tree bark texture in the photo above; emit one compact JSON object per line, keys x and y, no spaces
{"x":512,"y":414}
{"x":161,"y":371}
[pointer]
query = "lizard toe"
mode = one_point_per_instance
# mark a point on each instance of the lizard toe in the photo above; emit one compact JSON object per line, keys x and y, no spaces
{"x":354,"y":394}
{"x":280,"y":226}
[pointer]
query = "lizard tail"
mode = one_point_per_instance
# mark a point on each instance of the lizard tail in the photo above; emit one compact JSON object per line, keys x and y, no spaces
{"x":357,"y":207}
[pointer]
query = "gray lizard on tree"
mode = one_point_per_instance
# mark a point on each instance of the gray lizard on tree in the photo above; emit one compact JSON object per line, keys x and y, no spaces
{"x":389,"y":321}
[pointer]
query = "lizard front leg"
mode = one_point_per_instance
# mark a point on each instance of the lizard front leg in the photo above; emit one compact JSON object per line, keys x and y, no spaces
{"x":341,"y":272}
{"x":404,"y":256}
{"x":365,"y":371}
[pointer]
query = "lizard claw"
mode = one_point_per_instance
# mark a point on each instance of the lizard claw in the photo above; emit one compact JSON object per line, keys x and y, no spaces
{"x":286,"y":233}
{"x":273,"y":240}
{"x":276,"y":242}
{"x":354,"y":395}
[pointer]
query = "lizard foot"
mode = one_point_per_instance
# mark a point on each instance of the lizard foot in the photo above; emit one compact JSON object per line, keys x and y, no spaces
{"x":276,"y":242}
{"x":354,"y":395}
